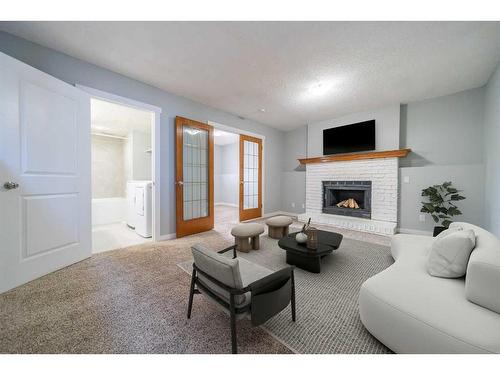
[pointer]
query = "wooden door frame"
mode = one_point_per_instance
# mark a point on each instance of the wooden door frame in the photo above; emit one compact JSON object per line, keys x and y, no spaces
{"x":199,"y":224}
{"x":234,"y":130}
{"x":253,"y":213}
{"x":155,"y":146}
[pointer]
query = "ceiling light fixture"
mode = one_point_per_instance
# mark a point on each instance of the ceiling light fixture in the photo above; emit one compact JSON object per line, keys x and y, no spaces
{"x":319,"y":89}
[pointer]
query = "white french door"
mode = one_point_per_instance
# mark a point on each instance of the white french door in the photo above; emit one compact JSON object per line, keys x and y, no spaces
{"x":44,"y":174}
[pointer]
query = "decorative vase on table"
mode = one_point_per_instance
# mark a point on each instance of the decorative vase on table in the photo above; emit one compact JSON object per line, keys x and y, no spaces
{"x":312,"y":238}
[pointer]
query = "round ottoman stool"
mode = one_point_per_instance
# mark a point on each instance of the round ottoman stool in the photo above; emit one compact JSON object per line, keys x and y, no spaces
{"x":246,"y":236}
{"x":278,"y":226}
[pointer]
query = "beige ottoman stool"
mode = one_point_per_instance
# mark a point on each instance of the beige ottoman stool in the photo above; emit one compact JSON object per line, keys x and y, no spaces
{"x":246,"y":236}
{"x":278,"y":226}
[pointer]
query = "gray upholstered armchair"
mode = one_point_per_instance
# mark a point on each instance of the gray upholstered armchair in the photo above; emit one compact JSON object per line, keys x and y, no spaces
{"x":241,"y":287}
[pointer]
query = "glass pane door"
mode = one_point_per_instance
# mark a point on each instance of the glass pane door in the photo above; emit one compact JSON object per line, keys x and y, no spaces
{"x":194,"y":176}
{"x":195,"y":164}
{"x":250,"y":177}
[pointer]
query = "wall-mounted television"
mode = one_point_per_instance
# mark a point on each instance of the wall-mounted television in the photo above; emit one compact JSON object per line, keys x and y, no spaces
{"x":349,"y":138}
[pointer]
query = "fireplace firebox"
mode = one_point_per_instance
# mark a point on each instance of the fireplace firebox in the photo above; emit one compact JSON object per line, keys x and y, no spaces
{"x":347,"y":198}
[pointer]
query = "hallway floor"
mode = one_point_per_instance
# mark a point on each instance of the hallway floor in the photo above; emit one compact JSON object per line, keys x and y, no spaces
{"x":114,"y":236}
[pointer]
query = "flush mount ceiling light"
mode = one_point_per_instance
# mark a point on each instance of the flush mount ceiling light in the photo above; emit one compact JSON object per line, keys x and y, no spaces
{"x":319,"y":89}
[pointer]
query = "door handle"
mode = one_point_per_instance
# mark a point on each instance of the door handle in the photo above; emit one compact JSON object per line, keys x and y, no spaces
{"x":9,"y":185}
{"x":180,"y":183}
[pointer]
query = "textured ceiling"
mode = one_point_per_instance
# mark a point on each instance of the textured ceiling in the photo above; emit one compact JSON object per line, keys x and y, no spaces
{"x":299,"y":72}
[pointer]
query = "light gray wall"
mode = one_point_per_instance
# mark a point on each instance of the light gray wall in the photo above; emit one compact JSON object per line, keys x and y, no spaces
{"x":466,"y":177}
{"x":75,"y":71}
{"x":445,"y":130}
{"x":226,"y":173}
{"x":386,"y":128}
{"x":492,"y":154}
{"x":446,"y":138}
{"x":293,"y":177}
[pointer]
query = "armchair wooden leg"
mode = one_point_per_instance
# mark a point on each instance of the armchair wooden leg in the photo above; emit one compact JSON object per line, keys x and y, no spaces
{"x":292,"y":302}
{"x":191,"y":293}
{"x":234,"y":344}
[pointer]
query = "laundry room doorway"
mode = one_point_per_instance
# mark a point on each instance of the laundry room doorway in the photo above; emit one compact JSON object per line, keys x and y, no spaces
{"x":123,"y":174}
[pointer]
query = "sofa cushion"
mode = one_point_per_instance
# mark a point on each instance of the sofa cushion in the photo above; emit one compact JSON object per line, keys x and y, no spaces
{"x":448,"y":231}
{"x":450,"y":253}
{"x":483,"y":270}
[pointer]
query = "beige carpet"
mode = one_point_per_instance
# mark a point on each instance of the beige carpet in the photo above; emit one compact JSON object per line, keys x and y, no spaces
{"x":130,"y":300}
{"x":327,"y":303}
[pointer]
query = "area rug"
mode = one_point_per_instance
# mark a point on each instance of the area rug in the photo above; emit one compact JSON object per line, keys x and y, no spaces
{"x":327,"y":303}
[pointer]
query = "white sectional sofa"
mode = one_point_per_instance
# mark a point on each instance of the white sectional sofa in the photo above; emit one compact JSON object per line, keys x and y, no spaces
{"x":410,"y":311}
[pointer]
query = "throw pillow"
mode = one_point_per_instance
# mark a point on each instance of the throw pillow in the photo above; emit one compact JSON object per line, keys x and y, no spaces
{"x":448,"y":231}
{"x":450,"y":254}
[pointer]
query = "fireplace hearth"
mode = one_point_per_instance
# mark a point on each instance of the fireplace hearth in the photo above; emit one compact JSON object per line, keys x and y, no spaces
{"x":347,"y":198}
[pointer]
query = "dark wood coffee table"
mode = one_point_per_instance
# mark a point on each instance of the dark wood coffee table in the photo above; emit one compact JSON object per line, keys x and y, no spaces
{"x":310,"y":260}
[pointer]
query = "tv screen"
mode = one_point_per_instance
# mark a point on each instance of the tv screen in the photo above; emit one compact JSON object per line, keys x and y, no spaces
{"x":349,"y":138}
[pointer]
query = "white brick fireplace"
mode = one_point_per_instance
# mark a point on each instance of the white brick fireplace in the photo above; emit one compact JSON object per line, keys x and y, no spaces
{"x":382,"y":172}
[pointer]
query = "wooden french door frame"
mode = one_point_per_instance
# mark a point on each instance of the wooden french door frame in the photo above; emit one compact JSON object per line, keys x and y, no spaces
{"x":184,"y":226}
{"x":250,"y":213}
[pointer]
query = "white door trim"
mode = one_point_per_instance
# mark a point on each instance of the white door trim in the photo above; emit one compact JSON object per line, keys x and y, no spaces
{"x":155,"y":134}
{"x":231,"y":129}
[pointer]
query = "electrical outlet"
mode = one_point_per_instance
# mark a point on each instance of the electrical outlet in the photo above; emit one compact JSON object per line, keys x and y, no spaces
{"x":406,"y":179}
{"x":303,"y":205}
{"x":293,"y":204}
{"x":421,"y":218}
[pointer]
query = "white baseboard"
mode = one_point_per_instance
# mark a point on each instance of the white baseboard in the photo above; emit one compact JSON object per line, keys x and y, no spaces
{"x":226,"y":204}
{"x":166,"y":237}
{"x":414,"y":231}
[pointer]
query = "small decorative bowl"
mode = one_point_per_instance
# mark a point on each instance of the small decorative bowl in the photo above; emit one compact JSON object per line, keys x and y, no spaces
{"x":301,"y":237}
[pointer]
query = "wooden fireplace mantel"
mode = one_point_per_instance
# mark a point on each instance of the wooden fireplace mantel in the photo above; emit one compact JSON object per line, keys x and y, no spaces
{"x":358,"y":156}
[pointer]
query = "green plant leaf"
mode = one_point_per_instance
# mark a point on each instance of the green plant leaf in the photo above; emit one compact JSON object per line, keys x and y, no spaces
{"x":436,"y":219}
{"x":453,"y":211}
{"x":428,"y":207}
{"x":446,"y":223}
{"x":457,"y":197}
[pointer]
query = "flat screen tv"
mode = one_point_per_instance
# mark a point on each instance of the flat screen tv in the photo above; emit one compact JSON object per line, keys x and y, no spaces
{"x":349,"y":138}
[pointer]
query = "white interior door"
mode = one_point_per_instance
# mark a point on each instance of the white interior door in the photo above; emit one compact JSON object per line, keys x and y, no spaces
{"x":45,"y":221}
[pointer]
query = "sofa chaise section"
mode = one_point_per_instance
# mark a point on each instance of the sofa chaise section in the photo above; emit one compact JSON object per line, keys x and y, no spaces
{"x":412,"y":312}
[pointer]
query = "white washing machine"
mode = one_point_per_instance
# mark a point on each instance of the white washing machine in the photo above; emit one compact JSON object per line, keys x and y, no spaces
{"x":139,"y":207}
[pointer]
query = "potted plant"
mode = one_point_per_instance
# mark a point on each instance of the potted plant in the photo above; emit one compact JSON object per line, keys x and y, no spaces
{"x":440,"y":205}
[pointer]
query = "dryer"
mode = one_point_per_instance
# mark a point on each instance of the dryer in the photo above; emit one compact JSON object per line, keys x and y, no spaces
{"x":139,"y":207}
